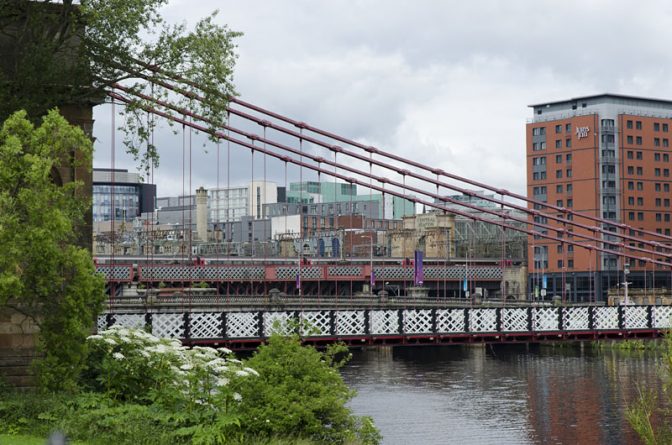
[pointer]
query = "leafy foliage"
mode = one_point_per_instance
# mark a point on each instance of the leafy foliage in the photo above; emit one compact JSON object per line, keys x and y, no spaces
{"x":43,"y":273}
{"x":301,"y":393}
{"x":65,"y":52}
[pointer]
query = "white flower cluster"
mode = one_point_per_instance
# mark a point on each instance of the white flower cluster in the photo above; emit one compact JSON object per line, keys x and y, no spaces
{"x":199,"y":374}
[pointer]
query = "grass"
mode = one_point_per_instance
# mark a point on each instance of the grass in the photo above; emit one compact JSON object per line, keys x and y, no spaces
{"x":21,"y":439}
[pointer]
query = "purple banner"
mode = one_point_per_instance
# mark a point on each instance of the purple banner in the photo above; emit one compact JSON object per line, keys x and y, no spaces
{"x":373,"y":279}
{"x":419,"y":275}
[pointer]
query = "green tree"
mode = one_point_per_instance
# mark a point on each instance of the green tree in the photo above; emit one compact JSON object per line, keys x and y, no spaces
{"x":62,"y":52}
{"x":43,"y":273}
{"x":300,"y":393}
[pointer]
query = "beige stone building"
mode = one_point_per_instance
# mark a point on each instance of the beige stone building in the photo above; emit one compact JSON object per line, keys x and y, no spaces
{"x":432,"y":233}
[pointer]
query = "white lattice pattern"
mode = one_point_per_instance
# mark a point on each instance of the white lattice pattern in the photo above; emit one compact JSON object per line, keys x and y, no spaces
{"x":418,"y":321}
{"x":449,"y":320}
{"x":482,"y":320}
{"x":136,"y":321}
{"x":514,"y":320}
{"x":277,"y":323}
{"x":545,"y":318}
{"x":205,"y":325}
{"x":315,"y":323}
{"x":242,"y":324}
{"x":635,"y":317}
{"x":605,"y":317}
{"x":168,"y":325}
{"x":350,"y":323}
{"x":101,"y":323}
{"x":575,"y":319}
{"x":662,"y":317}
{"x":383,"y":322}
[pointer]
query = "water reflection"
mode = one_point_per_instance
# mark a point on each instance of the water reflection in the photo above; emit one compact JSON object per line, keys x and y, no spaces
{"x":499,"y":395}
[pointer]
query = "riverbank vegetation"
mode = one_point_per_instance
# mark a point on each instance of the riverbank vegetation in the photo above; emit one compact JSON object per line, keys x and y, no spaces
{"x":649,"y":415}
{"x":139,"y":389}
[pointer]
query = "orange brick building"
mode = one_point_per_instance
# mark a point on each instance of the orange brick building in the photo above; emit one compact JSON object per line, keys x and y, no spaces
{"x":607,"y":156}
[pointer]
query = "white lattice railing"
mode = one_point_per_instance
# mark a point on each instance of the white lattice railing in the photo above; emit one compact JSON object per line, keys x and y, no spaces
{"x":392,"y":322}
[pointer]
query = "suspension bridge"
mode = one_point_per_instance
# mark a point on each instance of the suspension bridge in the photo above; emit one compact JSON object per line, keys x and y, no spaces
{"x":283,"y":142}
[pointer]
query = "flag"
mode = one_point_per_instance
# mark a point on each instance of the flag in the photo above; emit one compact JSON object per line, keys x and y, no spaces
{"x":419,"y":276}
{"x":464,"y":285}
{"x":298,"y":282}
{"x":373,"y":278}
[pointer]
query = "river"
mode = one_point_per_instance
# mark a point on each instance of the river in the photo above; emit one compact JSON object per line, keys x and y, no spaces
{"x":568,"y":394}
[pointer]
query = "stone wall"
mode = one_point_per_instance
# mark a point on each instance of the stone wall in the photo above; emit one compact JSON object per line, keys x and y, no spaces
{"x":18,"y":337}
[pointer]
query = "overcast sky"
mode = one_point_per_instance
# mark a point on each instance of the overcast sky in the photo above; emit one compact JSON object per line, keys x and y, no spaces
{"x":442,"y":82}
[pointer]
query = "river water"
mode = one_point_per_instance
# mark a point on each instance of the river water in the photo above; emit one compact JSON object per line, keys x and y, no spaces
{"x":500,"y":394}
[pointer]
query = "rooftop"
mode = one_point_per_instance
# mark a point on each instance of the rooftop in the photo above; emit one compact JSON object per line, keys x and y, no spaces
{"x":604,"y":96}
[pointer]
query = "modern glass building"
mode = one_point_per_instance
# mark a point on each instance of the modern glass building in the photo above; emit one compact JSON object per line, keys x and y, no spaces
{"x":121,"y":196}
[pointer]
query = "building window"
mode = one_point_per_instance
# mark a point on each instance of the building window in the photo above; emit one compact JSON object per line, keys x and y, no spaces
{"x":657,"y":186}
{"x":640,"y":185}
{"x":667,"y":217}
{"x":558,"y":203}
{"x":569,"y":190}
{"x":631,"y":170}
{"x":558,"y":143}
{"x":570,"y":203}
{"x":535,"y":176}
{"x":638,"y":125}
{"x":631,"y":216}
{"x":656,"y":172}
{"x":638,"y":140}
{"x":630,"y":154}
{"x":656,"y":142}
{"x":666,"y":142}
{"x":568,"y":173}
{"x":656,"y":126}
{"x":631,"y":200}
{"x":570,"y":264}
{"x":539,"y":131}
{"x":666,"y":157}
{"x":559,"y":248}
{"x":542,"y":145}
{"x":666,"y":187}
{"x":630,"y":140}
{"x":640,"y":171}
{"x":568,"y":158}
{"x":631,"y":185}
{"x":640,"y":216}
{"x":666,"y":202}
{"x":666,"y":172}
{"x":656,"y":156}
{"x":568,"y":143}
{"x":568,"y":128}
{"x":639,"y":155}
{"x":666,"y":128}
{"x":628,"y":124}
{"x":658,"y":202}
{"x":558,"y":128}
{"x":560,"y":264}
{"x":558,"y":174}
{"x":558,"y":188}
{"x":659,"y":217}
{"x":558,"y":159}
{"x":640,"y":201}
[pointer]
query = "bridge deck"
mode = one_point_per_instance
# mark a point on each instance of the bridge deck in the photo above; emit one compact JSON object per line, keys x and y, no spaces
{"x":431,"y":325}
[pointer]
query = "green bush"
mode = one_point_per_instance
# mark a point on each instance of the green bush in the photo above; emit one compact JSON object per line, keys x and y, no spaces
{"x":300,"y":393}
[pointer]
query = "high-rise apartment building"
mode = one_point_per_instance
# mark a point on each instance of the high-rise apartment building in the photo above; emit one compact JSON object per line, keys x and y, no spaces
{"x":607,"y":156}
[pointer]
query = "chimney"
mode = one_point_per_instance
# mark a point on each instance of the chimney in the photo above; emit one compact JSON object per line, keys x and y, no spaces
{"x":202,"y":214}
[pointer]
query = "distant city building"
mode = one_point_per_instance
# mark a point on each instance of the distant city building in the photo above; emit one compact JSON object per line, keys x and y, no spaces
{"x":131,"y":196}
{"x":312,"y":192}
{"x":234,"y":203}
